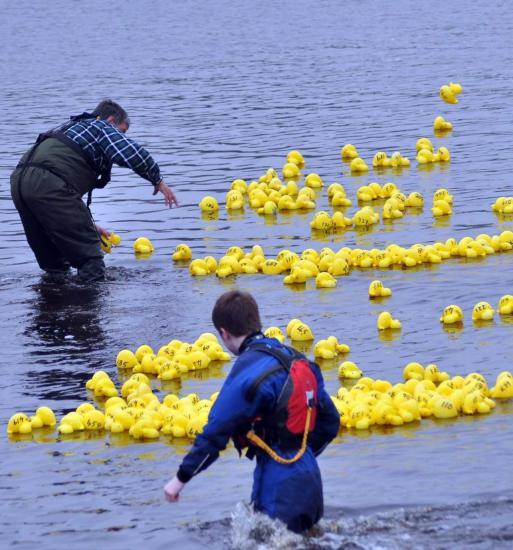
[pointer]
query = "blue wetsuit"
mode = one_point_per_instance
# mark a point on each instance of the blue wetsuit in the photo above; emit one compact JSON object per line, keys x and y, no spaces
{"x":289,"y":492}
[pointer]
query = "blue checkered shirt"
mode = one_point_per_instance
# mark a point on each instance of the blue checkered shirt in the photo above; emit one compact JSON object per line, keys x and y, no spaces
{"x":106,"y":145}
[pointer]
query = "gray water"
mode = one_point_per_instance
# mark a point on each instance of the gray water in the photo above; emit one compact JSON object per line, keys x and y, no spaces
{"x":223,"y":90}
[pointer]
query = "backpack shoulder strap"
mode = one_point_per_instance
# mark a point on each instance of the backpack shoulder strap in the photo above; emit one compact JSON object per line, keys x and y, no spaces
{"x":284,"y":362}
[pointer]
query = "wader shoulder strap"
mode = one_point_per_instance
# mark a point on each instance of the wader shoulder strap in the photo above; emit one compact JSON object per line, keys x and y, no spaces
{"x":284,"y":362}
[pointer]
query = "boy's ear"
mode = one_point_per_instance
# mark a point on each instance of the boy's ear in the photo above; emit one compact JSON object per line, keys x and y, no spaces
{"x":223,"y":332}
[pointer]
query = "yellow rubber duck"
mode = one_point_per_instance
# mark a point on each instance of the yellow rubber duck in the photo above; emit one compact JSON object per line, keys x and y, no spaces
{"x":441,"y":125}
{"x":349,"y":370}
{"x":425,"y":156}
{"x":325,"y":349}
{"x":505,"y":306}
{"x":143,"y":245}
{"x":482,"y":311}
{"x":199,"y":268}
{"x":443,"y":154}
{"x":314,"y":181}
{"x":415,"y":200}
{"x":448,"y":95}
{"x":441,"y":208}
{"x":304,"y":203}
{"x":275,"y":332}
{"x":19,"y":423}
{"x":209,"y":204}
{"x":297,"y":276}
{"x":126,"y":359}
{"x":503,"y":205}
{"x":322,"y":220}
{"x":272,"y":267}
{"x":413,"y":371}
{"x":387,"y":190}
{"x":442,"y":407}
{"x":366,"y":193}
{"x":300,"y":332}
{"x":234,"y":200}
{"x":358,"y":166}
{"x":239,"y":185}
{"x":296,"y":158}
{"x":503,"y":388}
{"x":398,"y":161}
{"x":340,"y":199}
{"x":270,"y":208}
{"x":339,"y":220}
{"x":376,"y":290}
{"x":381,"y":159}
{"x":182,"y":253}
{"x":391,"y":209}
{"x":385,"y":321}
{"x":290,"y":170}
{"x":348,"y":152}
{"x":424,"y":143}
{"x":325,"y":280}
{"x":451,"y":314}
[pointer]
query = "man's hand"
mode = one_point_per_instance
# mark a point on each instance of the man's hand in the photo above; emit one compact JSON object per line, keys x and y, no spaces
{"x":102,"y":232}
{"x":169,"y":196}
{"x":172,"y":489}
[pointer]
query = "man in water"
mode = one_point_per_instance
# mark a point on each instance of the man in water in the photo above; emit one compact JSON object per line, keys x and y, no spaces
{"x":64,"y":164}
{"x":258,"y":395}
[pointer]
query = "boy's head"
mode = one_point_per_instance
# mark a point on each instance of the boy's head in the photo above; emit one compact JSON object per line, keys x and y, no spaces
{"x":235,"y":315}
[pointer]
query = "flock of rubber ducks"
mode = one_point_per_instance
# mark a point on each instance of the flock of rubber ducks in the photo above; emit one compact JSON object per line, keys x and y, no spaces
{"x":299,"y":268}
{"x":425,"y":392}
{"x":137,"y":410}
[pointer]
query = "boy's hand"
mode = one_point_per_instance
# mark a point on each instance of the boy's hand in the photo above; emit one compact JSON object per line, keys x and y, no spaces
{"x":169,"y":196}
{"x":103,"y":232}
{"x":172,"y":489}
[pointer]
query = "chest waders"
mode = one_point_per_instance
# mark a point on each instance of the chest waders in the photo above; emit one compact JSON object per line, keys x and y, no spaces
{"x":46,"y":187}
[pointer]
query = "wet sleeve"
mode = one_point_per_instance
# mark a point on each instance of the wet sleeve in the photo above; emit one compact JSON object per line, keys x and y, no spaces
{"x":127,"y":153}
{"x":230,"y":410}
{"x":328,"y":419}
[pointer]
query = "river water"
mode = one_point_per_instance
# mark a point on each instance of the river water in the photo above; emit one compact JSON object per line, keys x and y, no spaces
{"x":222,"y":90}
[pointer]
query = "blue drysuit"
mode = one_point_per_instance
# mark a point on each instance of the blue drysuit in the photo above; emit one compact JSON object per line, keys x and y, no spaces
{"x":289,"y":492}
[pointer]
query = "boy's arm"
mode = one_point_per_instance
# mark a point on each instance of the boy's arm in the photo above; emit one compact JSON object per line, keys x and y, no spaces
{"x":328,"y":420}
{"x":230,"y":409}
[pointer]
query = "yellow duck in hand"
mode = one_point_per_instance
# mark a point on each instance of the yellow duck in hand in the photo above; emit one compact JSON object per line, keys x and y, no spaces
{"x":482,"y":311}
{"x":376,"y":290}
{"x":143,"y":245}
{"x":451,"y":314}
{"x":182,"y":253}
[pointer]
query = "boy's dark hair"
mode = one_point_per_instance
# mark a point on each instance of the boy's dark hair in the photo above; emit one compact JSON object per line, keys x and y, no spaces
{"x":108,"y":108}
{"x":237,"y":312}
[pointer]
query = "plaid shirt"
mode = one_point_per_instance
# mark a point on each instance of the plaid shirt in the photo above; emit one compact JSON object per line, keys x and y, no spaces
{"x":106,"y":145}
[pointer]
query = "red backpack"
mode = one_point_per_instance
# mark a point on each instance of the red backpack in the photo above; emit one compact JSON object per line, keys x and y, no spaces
{"x":299,"y":393}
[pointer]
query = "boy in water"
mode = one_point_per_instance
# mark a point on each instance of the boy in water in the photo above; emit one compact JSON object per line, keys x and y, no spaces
{"x":287,"y":481}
